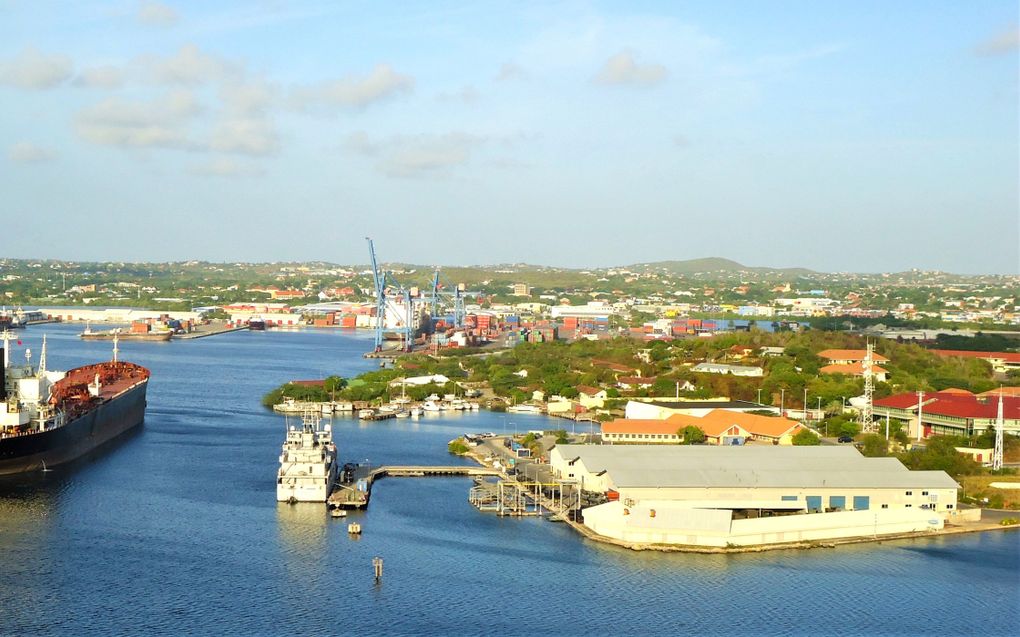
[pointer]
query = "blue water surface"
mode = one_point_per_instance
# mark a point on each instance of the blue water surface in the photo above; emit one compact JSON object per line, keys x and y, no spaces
{"x":175,"y":530}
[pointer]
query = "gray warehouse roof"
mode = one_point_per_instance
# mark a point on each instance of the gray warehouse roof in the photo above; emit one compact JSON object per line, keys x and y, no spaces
{"x":694,"y":466}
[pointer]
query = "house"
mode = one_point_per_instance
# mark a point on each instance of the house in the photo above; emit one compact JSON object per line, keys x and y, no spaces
{"x":850,"y":356}
{"x":880,"y":374}
{"x":635,"y":382}
{"x":438,"y":379}
{"x":772,"y":352}
{"x":739,"y":352}
{"x":660,"y":409}
{"x":735,"y":370}
{"x":591,"y":397}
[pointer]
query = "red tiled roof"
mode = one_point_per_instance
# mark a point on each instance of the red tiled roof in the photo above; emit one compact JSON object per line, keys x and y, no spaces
{"x":955,"y":404}
{"x":636,"y":380}
{"x":1009,"y":357}
{"x":850,"y":355}
{"x":588,"y":391}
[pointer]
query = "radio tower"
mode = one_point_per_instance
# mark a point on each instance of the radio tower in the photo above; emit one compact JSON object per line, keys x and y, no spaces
{"x":999,"y":424}
{"x":867,"y":417}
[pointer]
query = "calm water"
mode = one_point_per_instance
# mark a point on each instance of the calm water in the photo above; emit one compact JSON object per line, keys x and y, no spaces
{"x":176,"y":531}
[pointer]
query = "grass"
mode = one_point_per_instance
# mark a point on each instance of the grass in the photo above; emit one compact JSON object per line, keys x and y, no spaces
{"x":977,"y":487}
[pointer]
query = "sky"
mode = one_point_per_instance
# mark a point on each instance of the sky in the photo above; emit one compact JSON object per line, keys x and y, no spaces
{"x":864,"y":136}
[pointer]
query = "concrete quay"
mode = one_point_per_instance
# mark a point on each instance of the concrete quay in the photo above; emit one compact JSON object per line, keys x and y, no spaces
{"x":355,"y":493}
{"x":211,"y":329}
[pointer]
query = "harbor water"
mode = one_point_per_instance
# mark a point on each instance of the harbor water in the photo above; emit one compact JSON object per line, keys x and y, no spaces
{"x":175,"y":530}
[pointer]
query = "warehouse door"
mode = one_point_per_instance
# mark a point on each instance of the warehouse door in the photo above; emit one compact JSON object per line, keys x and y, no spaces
{"x":862,"y":502}
{"x":814,"y":503}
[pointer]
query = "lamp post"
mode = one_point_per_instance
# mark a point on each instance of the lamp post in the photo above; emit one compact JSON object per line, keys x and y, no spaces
{"x":759,"y":395}
{"x":782,"y":401}
{"x":805,"y":403}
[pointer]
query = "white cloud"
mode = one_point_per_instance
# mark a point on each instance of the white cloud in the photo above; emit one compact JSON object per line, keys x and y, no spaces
{"x":32,"y":69}
{"x":107,"y":77}
{"x":509,"y":71}
{"x":355,"y":91}
{"x":248,"y":99}
{"x":29,"y":153}
{"x":156,"y":14}
{"x":621,"y":69}
{"x":416,"y":155}
{"x":161,"y":122}
{"x":225,"y":167}
{"x":1002,"y":43}
{"x":250,"y":136}
{"x":467,"y":94}
{"x":191,"y":66}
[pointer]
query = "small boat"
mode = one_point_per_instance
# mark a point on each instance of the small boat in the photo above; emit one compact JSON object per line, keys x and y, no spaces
{"x":416,"y":412}
{"x":524,"y":409}
{"x":366,"y":413}
{"x":337,"y":513}
{"x":473,"y":406}
{"x":354,"y":528}
{"x":431,"y":405}
{"x":402,"y":413}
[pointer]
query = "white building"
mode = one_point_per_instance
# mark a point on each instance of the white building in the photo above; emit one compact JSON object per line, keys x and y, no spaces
{"x":750,"y":495}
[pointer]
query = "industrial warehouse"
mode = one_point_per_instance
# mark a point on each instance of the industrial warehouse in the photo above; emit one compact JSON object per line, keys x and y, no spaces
{"x":720,"y":496}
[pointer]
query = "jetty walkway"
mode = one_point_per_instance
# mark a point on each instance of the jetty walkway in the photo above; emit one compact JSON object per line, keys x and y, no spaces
{"x":355,"y":493}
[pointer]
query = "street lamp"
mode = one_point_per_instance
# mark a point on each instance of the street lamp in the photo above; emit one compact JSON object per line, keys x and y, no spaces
{"x":759,"y":395}
{"x":805,"y":403}
{"x":782,"y":401}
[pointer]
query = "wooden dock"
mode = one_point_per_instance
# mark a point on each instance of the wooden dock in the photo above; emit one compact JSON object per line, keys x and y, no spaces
{"x":348,"y":495}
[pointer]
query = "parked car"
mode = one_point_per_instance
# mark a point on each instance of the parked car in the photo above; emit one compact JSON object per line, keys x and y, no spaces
{"x":845,"y":439}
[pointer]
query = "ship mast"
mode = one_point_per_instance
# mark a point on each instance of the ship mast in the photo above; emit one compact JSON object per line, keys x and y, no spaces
{"x":42,"y":359}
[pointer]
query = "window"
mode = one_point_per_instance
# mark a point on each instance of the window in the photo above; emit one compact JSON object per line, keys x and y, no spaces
{"x":909,"y":505}
{"x":862,"y":502}
{"x":788,"y":498}
{"x":885,"y":506}
{"x":924,"y":493}
{"x":949,"y":506}
{"x":910,"y":493}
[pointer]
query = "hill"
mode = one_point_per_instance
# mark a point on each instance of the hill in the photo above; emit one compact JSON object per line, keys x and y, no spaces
{"x":716,"y":264}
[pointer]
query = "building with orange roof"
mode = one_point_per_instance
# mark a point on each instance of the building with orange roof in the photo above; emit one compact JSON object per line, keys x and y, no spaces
{"x":849,"y":356}
{"x":879,"y":373}
{"x":720,"y":426}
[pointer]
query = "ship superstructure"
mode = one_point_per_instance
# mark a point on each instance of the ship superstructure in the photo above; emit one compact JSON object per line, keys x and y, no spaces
{"x":308,"y":462}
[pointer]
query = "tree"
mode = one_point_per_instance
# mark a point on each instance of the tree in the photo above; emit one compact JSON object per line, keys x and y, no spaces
{"x":691,"y":435}
{"x":874,"y":446}
{"x":806,"y":437}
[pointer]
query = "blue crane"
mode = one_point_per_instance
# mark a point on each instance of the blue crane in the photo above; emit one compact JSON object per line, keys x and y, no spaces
{"x":379,"y":279}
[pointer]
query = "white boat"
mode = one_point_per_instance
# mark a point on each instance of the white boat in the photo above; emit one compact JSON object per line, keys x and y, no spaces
{"x":366,"y":413}
{"x":431,"y":405}
{"x":524,"y":409}
{"x":308,"y":464}
{"x":415,"y":412}
{"x":402,"y":413}
{"x":458,"y":404}
{"x":473,"y":406}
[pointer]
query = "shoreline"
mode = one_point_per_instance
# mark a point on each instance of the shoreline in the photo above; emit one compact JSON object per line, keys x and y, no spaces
{"x":587,"y":533}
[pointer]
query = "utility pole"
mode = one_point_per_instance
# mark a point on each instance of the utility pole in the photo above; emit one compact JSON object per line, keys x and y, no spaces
{"x":782,"y":401}
{"x":920,"y":407}
{"x":1000,"y":422}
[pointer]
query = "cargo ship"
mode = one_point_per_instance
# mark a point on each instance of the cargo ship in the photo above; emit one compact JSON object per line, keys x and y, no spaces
{"x":48,"y":418}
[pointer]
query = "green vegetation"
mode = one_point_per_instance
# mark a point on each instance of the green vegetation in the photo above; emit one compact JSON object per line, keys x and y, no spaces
{"x":1009,"y":521}
{"x":940,"y":455}
{"x":874,"y":446}
{"x":331,"y":387}
{"x":691,"y":435}
{"x":458,"y":447}
{"x":805,"y":437}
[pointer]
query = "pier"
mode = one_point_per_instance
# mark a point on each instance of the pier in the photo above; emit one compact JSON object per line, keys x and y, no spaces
{"x":212,"y":329}
{"x":355,"y":492}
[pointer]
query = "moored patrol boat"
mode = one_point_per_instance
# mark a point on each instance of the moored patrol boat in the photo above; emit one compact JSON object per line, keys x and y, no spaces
{"x":308,"y":464}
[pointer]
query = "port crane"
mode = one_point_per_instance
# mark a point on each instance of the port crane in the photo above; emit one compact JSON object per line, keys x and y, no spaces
{"x":443,"y":291}
{"x":399,"y":303}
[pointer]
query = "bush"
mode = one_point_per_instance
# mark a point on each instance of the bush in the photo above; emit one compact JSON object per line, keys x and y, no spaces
{"x":805,"y":437}
{"x":458,"y":447}
{"x":1009,"y":521}
{"x":691,"y":435}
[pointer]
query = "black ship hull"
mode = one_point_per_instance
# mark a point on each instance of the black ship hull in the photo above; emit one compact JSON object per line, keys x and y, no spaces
{"x":22,"y":454}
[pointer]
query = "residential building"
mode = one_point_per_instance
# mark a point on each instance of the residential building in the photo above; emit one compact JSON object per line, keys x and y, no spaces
{"x":658,"y":409}
{"x":720,"y":426}
{"x":735,"y":370}
{"x":1001,"y":362}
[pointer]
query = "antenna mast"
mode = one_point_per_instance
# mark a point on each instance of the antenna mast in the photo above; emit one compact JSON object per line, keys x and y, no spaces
{"x":1000,"y":422}
{"x":867,"y":415}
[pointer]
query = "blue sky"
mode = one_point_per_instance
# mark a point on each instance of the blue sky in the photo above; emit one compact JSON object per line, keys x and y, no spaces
{"x":853,"y":137}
